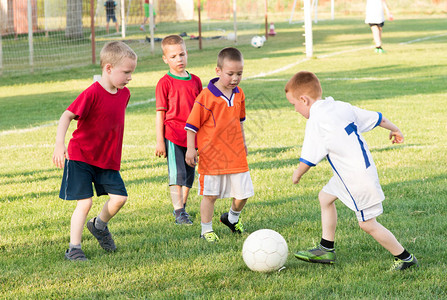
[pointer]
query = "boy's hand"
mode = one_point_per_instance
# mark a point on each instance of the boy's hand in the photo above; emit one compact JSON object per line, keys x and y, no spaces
{"x":396,"y":137}
{"x":160,"y":149}
{"x":59,"y":155}
{"x":191,"y":157}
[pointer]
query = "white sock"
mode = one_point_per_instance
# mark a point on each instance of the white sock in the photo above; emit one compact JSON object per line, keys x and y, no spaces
{"x":207,"y":227}
{"x":233,"y":216}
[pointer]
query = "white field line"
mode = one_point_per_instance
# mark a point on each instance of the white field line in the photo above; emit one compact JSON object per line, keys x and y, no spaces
{"x":423,"y":39}
{"x":26,"y":146}
{"x":260,"y":75}
{"x":278,"y":70}
{"x":25,"y":130}
{"x":330,"y":79}
{"x":252,"y":148}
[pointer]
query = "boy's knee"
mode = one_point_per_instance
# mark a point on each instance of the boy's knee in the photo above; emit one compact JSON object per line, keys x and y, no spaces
{"x":85,"y":204}
{"x":119,"y":200}
{"x":367,"y":226}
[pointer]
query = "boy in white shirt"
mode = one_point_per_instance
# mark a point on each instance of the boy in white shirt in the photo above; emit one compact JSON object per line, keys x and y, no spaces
{"x":333,"y":130}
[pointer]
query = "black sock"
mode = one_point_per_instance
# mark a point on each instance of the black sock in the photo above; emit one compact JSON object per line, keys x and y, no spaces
{"x":404,"y":255}
{"x":327,"y":244}
{"x":179,"y":211}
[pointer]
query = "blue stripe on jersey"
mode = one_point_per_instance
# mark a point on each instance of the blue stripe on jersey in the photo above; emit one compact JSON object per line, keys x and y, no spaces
{"x":353,"y":128}
{"x":307,"y":162}
{"x":335,"y":170}
{"x":379,"y":120}
{"x":191,"y":127}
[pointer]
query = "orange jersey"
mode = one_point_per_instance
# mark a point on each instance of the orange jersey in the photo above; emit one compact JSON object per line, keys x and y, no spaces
{"x":217,"y":121}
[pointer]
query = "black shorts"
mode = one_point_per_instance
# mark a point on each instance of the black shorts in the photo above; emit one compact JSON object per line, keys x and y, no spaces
{"x":180,"y":173}
{"x":79,"y":176}
{"x":375,"y":24}
{"x":111,"y":17}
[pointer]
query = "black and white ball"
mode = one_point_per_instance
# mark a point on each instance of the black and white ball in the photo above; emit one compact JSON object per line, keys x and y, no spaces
{"x":257,"y":41}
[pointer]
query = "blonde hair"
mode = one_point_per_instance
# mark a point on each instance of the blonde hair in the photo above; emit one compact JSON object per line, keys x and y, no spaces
{"x":113,"y":52}
{"x":230,"y":53}
{"x":173,"y":39}
{"x":304,"y":83}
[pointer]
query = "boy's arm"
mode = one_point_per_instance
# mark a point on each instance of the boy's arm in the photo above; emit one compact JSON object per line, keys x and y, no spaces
{"x":387,"y":11}
{"x":60,"y":151}
{"x":191,"y":152}
{"x":298,"y":173}
{"x":395,"y":134}
{"x":160,"y":147}
{"x":243,"y":136}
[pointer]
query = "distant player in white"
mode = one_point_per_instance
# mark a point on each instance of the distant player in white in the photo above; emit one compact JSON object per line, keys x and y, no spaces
{"x":333,"y":130}
{"x":375,"y":18}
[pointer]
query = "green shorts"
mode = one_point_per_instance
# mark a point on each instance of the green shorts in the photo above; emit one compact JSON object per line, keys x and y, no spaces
{"x":180,"y":173}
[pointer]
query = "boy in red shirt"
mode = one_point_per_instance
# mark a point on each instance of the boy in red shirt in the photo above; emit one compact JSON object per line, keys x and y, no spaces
{"x":217,"y":120}
{"x":94,"y":151}
{"x":175,"y":94}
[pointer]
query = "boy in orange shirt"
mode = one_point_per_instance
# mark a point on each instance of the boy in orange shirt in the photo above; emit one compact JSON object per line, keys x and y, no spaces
{"x":217,"y":119}
{"x":175,"y":94}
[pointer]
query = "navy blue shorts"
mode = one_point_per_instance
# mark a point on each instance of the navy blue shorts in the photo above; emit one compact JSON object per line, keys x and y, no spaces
{"x":375,"y":24}
{"x":79,"y":176}
{"x":111,"y":17}
{"x":180,"y":173}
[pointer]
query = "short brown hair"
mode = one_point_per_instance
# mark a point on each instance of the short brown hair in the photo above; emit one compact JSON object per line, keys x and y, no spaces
{"x":304,"y":83}
{"x":173,"y":39}
{"x":113,"y":52}
{"x":230,"y":53}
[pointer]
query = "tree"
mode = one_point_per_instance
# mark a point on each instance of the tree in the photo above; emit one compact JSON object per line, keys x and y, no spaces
{"x":74,"y":19}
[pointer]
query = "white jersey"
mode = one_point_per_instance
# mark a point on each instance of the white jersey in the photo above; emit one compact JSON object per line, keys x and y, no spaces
{"x":374,"y":12}
{"x":334,"y":131}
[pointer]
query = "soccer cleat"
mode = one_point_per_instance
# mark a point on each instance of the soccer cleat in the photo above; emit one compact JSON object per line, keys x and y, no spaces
{"x":210,"y":237}
{"x":104,"y":237}
{"x":235,"y":228}
{"x":379,"y":50}
{"x":317,"y":255}
{"x":400,"y":265}
{"x":183,"y":219}
{"x":75,"y":254}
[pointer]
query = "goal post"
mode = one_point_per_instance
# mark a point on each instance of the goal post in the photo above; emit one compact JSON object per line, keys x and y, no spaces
{"x":308,"y":39}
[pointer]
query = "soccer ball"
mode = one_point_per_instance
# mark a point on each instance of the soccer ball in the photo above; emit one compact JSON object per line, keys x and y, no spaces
{"x":257,"y":41}
{"x":265,"y":250}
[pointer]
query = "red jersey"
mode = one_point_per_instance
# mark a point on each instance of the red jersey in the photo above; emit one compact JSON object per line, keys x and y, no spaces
{"x":217,"y":122}
{"x":98,"y":139}
{"x":175,"y":95}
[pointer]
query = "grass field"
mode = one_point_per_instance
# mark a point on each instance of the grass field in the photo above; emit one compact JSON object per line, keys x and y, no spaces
{"x":159,"y":260}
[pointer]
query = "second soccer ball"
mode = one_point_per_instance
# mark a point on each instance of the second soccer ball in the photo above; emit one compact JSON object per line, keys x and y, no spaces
{"x":257,"y":41}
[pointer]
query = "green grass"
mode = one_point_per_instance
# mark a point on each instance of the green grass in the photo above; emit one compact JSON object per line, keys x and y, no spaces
{"x":157,"y":259}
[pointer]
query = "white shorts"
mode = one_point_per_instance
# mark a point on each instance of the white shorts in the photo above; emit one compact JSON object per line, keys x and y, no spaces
{"x":369,"y":213}
{"x":238,"y":186}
